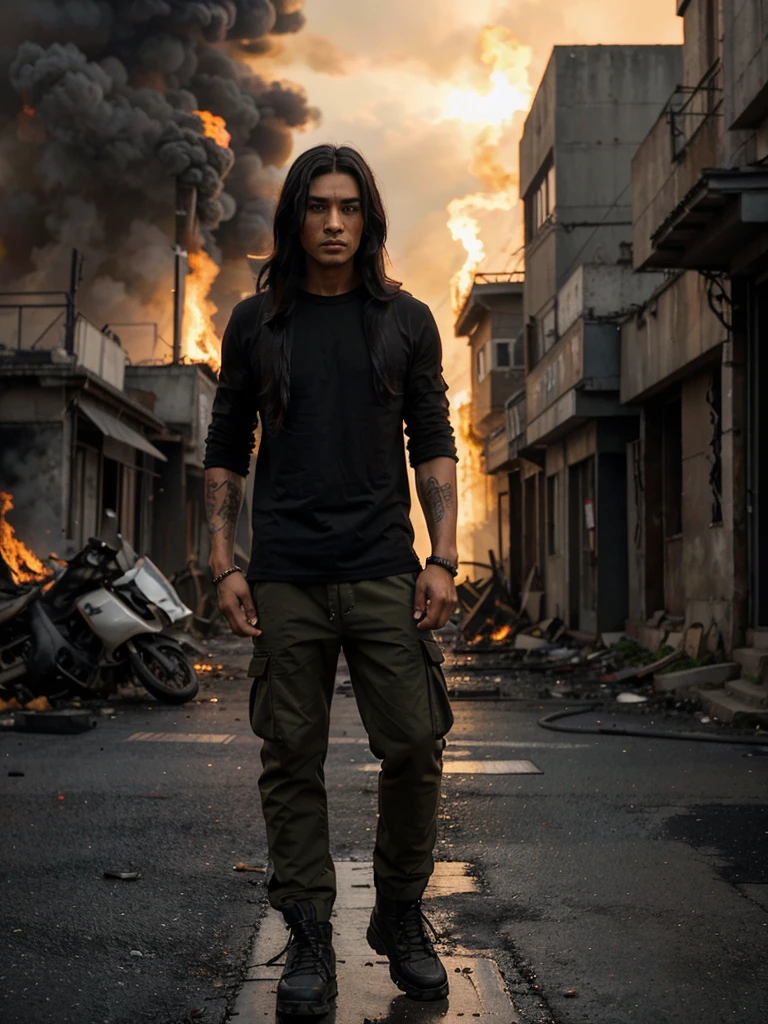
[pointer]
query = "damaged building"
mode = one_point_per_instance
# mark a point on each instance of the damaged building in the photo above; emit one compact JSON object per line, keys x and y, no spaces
{"x":693,"y":356}
{"x":73,"y":443}
{"x":83,"y":433}
{"x":639,"y":435}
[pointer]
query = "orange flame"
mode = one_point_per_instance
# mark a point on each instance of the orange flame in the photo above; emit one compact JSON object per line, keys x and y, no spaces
{"x":24,"y":565}
{"x":510,"y":92}
{"x":214,"y":127}
{"x":200,"y":341}
{"x":501,"y":633}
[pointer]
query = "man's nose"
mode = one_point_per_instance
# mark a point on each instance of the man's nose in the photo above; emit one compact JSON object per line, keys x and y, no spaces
{"x":333,"y":221}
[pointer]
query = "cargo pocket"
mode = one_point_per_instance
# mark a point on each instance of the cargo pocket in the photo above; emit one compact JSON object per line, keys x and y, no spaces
{"x":439,"y":704}
{"x":260,"y":704}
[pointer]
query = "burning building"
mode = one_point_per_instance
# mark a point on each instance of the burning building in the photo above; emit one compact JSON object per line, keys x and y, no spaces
{"x":126,"y":127}
{"x":105,"y":107}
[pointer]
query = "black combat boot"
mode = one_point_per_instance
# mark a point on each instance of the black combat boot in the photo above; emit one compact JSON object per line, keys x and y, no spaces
{"x":397,"y":930}
{"x":308,"y":982}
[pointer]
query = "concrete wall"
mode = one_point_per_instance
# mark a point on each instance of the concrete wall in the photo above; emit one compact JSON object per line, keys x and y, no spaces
{"x":708,"y":555}
{"x":594,"y":106}
{"x":701,"y":39}
{"x":607,"y":99}
{"x":659,"y":183}
{"x":184,"y":401}
{"x":675,"y":329}
{"x":745,"y":62}
{"x":538,"y":138}
{"x":100,"y":354}
{"x":601,"y":290}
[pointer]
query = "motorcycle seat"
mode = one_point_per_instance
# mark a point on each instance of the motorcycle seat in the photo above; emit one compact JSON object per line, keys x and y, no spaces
{"x":10,"y":609}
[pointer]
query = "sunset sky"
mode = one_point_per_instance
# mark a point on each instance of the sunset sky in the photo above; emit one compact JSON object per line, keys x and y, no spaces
{"x":383,"y":75}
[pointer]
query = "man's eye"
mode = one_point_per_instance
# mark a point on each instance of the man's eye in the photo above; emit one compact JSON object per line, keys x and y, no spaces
{"x":316,"y":207}
{"x":351,"y":209}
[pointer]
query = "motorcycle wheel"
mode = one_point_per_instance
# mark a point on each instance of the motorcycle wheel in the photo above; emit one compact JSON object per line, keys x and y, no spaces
{"x":176,"y":686}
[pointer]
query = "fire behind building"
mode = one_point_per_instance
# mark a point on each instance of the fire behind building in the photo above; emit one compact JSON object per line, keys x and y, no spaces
{"x":110,"y":113}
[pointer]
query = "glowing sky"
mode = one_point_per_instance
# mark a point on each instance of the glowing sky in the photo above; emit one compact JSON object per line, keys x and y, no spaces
{"x":382,"y":74}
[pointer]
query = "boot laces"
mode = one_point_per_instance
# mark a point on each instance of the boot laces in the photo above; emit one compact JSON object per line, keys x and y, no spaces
{"x":413,"y":938}
{"x":305,"y":951}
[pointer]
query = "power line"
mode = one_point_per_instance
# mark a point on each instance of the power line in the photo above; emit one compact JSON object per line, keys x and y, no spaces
{"x":599,"y":224}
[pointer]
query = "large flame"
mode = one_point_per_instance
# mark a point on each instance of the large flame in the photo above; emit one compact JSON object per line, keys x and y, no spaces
{"x":24,"y":564}
{"x":200,"y":341}
{"x":510,"y":92}
{"x":214,"y":127}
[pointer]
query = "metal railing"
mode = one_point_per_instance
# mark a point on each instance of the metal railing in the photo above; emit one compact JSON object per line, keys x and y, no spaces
{"x":500,"y":277}
{"x":14,"y":304}
{"x":689,"y":107}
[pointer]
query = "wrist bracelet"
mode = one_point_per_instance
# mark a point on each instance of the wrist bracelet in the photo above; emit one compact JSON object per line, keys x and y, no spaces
{"x":444,"y":564}
{"x":227,"y":572}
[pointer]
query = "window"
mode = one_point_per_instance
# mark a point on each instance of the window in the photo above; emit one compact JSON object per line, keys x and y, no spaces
{"x":502,"y":355}
{"x":540,"y":203}
{"x":482,"y":366}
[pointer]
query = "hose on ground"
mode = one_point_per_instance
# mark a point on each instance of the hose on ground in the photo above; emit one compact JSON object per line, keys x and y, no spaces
{"x":549,"y":722}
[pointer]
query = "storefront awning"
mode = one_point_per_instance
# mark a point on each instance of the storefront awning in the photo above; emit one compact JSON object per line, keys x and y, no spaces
{"x":112,"y":427}
{"x":725,"y":210}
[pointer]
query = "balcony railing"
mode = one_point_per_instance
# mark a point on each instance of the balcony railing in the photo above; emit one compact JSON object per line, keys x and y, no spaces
{"x":690,"y":106}
{"x":500,"y":277}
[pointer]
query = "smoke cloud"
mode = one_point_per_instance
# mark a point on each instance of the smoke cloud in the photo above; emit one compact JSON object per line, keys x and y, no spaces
{"x":98,"y":121}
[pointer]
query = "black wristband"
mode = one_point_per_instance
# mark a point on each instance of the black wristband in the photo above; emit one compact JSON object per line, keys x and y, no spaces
{"x":444,"y":564}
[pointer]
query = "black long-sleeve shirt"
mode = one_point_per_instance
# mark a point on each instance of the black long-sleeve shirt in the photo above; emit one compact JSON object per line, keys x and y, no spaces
{"x":331,"y":501}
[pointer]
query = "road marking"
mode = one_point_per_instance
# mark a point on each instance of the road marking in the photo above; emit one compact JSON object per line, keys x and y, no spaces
{"x":181,"y":737}
{"x":488,"y":744}
{"x":479,"y":768}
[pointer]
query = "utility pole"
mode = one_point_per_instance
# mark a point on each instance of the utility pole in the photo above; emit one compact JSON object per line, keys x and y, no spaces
{"x":186,"y":210}
{"x":75,"y":277}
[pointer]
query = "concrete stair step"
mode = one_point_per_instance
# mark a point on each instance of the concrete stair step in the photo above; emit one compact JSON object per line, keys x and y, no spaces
{"x":753,"y":661}
{"x":750,"y":693}
{"x":722,"y":706}
{"x":704,"y":676}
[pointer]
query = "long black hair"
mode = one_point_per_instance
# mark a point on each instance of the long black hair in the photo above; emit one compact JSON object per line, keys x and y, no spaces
{"x":283,"y":272}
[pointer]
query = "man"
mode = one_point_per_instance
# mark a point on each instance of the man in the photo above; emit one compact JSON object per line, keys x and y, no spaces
{"x":334,"y":358}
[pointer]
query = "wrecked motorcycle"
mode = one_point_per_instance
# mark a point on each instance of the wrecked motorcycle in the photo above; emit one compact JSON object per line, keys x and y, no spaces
{"x":103,"y":616}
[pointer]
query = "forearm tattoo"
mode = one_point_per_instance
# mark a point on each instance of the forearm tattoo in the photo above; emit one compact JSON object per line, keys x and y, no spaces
{"x":222,"y":506}
{"x":438,"y":499}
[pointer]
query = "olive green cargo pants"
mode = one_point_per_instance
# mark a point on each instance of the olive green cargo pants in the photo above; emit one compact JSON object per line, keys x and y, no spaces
{"x":401,"y":694}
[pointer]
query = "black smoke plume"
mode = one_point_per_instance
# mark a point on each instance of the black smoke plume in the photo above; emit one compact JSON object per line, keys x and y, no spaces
{"x":97,"y":123}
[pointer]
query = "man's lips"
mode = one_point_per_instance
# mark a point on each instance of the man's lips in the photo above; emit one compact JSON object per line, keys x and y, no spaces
{"x":333,"y":245}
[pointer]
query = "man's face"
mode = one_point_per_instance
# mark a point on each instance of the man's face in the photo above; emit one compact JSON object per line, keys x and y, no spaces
{"x":333,"y":222}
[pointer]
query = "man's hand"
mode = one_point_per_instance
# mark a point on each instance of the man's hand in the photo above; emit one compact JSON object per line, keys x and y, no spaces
{"x":435,"y":595}
{"x":236,"y":603}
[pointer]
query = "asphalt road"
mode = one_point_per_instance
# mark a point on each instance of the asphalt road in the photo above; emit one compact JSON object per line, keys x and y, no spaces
{"x":632,"y":872}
